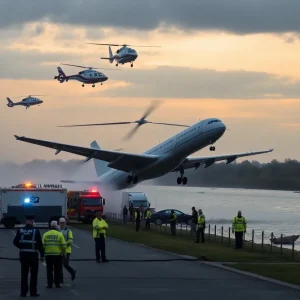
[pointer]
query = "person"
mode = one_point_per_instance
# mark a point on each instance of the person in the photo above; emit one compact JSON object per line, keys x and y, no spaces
{"x":125,"y":214}
{"x":148,"y":217}
{"x":201,"y":227}
{"x":239,"y":227}
{"x":131,"y":211}
{"x":137,"y":219}
{"x":55,"y":248}
{"x":29,"y":240}
{"x":99,"y":234}
{"x":173,"y":221}
{"x":68,"y":235}
{"x":194,"y":221}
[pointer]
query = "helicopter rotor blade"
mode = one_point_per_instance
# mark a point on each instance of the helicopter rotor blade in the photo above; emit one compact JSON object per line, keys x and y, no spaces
{"x":119,"y":45}
{"x":104,"y":44}
{"x":170,"y":124}
{"x":151,"y":108}
{"x":132,"y":132}
{"x":98,"y":124}
{"x":28,"y":96}
{"x":79,"y":66}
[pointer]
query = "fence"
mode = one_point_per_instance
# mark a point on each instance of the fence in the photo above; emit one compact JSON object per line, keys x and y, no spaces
{"x":256,"y":241}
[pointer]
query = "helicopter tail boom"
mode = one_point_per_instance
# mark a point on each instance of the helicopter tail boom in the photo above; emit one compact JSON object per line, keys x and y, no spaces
{"x":61,"y":75}
{"x":111,"y":57}
{"x":10,"y":103}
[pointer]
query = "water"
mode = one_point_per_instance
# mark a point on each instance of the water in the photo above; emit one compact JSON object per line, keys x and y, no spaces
{"x":264,"y":210}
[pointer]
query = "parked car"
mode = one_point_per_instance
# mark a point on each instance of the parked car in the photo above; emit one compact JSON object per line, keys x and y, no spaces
{"x":163,"y":216}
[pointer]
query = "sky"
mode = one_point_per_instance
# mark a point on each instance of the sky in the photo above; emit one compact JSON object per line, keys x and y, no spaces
{"x":234,"y":60}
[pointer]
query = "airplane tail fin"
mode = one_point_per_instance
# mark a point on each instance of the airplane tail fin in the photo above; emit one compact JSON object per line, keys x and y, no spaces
{"x":10,"y":103}
{"x":61,"y":75}
{"x":100,"y":165}
{"x":110,"y":58}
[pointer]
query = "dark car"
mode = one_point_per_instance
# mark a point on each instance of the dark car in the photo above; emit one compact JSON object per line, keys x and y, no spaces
{"x":163,"y":216}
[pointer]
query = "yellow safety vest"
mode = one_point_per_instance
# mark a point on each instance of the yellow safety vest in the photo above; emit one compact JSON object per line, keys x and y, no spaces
{"x":148,"y":214}
{"x":68,"y":235}
{"x":135,"y":215}
{"x":201,"y":221}
{"x":239,"y":224}
{"x":99,"y":226}
{"x":173,"y":218}
{"x":54,"y":243}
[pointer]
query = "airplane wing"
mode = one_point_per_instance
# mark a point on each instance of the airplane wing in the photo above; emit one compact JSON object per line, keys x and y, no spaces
{"x":195,"y":162}
{"x":117,"y":160}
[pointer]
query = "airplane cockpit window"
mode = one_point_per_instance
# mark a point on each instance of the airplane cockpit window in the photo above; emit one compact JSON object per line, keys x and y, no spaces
{"x":213,"y":121}
{"x":81,"y":72}
{"x":118,"y":50}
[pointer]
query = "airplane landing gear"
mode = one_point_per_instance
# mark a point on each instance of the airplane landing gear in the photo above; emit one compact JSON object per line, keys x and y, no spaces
{"x":117,"y":65}
{"x":83,"y":85}
{"x":212,"y":148}
{"x":181,"y":179}
{"x":93,"y":85}
{"x":101,"y":83}
{"x":132,"y":179}
{"x":131,"y":65}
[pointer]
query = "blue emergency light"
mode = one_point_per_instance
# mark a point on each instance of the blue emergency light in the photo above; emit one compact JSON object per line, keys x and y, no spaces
{"x":26,"y":200}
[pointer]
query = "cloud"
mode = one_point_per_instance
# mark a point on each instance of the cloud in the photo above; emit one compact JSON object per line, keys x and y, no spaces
{"x":182,"y":82}
{"x":240,"y":17}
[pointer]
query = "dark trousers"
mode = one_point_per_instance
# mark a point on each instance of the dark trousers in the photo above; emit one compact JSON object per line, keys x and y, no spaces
{"x":125,"y":219}
{"x":137,"y":225}
{"x":54,"y":266}
{"x":173,"y":229}
{"x":66,"y":265}
{"x":100,"y":247}
{"x":147,"y":223}
{"x":200,"y":233}
{"x":238,"y":240}
{"x":29,"y":263}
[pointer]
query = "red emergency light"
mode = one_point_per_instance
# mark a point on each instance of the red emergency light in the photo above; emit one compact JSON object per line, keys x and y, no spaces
{"x":94,"y":191}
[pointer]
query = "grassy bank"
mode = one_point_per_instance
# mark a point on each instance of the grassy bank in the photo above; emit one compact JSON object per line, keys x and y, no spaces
{"x":215,"y":248}
{"x":285,"y":272}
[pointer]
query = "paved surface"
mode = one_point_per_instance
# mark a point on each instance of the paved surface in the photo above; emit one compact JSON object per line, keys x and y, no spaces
{"x":136,"y":280}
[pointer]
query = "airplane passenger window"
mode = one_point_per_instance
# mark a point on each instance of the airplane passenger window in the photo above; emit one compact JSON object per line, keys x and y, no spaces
{"x":95,"y":74}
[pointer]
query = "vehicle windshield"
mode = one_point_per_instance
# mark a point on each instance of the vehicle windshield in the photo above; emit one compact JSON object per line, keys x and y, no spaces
{"x":140,"y":203}
{"x":91,"y":201}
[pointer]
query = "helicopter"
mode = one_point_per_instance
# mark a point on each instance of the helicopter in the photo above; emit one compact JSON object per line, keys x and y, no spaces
{"x":88,"y":76}
{"x":27,"y":102}
{"x":123,"y":55}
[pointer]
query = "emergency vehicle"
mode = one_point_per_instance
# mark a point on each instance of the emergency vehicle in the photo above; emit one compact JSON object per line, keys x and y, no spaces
{"x":83,"y":205}
{"x":46,"y":203}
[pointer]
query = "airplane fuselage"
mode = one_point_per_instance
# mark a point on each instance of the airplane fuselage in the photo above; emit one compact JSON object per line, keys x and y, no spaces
{"x":170,"y":153}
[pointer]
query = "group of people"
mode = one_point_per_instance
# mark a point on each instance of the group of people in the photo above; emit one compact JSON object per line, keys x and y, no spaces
{"x":54,"y":247}
{"x":136,"y":216}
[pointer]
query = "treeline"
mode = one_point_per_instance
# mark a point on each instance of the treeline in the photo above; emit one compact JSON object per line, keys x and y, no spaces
{"x":274,"y":175}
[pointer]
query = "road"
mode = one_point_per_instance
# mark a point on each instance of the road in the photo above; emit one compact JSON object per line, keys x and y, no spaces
{"x":137,"y":280}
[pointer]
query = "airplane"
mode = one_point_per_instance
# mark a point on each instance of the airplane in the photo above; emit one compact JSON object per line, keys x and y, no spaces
{"x":139,"y":122}
{"x":121,"y":170}
{"x":88,"y":76}
{"x":123,"y":55}
{"x":27,"y":102}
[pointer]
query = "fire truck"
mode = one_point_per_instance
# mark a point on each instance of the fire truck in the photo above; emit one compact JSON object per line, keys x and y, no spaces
{"x":83,"y":205}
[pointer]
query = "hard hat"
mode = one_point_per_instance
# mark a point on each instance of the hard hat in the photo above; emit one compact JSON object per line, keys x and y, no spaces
{"x":53,"y":223}
{"x":62,"y":220}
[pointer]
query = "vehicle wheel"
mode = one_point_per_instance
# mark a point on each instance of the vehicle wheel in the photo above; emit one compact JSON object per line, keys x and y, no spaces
{"x":158,"y":222}
{"x":9,"y":224}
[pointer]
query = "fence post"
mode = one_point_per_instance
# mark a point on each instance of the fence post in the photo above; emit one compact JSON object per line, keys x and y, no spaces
{"x":209,"y":231}
{"x":222,"y":234}
{"x":215,"y":232}
{"x":272,"y":236}
{"x":181,"y":228}
{"x":262,"y":241}
{"x":229,"y":235}
{"x":252,"y":239}
{"x":281,"y":244}
{"x":186,"y":230}
{"x":293,"y":246}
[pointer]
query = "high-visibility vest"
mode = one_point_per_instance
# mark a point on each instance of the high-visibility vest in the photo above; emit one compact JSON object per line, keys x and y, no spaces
{"x":99,"y":227}
{"x":148,"y":214}
{"x":54,"y":243}
{"x":173,"y":218}
{"x":136,"y":215}
{"x":201,"y":221}
{"x":68,"y":235}
{"x":239,"y":224}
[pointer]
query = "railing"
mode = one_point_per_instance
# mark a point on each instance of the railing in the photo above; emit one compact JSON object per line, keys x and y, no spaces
{"x":253,"y":240}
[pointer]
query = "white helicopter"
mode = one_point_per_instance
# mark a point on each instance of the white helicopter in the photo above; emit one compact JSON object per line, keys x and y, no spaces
{"x":88,"y":76}
{"x":27,"y":102}
{"x":123,"y":55}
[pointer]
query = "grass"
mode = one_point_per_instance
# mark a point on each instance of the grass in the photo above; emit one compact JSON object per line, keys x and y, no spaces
{"x":285,"y":272}
{"x":215,"y":248}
